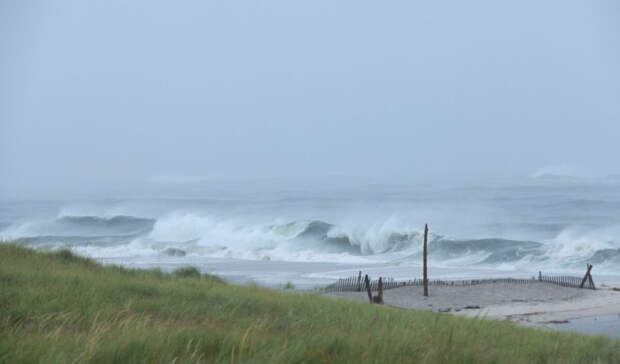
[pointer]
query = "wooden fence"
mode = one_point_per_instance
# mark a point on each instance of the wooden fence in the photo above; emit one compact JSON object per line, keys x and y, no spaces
{"x":566,"y":281}
{"x":356,"y":284}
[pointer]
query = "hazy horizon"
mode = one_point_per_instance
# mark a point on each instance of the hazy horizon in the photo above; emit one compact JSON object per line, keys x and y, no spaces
{"x":111,"y":96}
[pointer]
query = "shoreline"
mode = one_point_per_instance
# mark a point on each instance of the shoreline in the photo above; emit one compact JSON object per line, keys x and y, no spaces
{"x":534,"y":304}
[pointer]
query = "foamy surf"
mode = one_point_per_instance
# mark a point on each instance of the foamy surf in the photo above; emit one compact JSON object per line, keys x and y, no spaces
{"x":511,"y":230}
{"x":305,"y":240}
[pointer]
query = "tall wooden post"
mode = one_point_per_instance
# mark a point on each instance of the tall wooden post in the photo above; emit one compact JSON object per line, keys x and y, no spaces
{"x":367,"y":283}
{"x":425,"y":252}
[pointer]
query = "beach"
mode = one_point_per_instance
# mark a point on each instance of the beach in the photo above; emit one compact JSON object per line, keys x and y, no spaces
{"x":536,"y":303}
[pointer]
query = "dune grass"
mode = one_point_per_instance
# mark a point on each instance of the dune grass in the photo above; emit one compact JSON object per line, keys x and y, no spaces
{"x":60,"y":308}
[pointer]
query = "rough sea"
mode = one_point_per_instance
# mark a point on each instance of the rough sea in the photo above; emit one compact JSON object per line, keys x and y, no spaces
{"x":310,"y":234}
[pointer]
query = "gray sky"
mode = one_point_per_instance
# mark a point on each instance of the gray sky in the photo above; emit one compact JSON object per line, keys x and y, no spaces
{"x":109,"y":92}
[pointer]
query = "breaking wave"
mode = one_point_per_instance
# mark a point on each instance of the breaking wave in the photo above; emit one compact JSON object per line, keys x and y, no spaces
{"x":178,"y":234}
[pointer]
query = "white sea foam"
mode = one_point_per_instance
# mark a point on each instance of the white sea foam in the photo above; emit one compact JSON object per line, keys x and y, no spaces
{"x":392,"y":239}
{"x":541,"y":226}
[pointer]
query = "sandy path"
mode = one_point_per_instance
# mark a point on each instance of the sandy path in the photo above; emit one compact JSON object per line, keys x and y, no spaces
{"x":534,"y":303}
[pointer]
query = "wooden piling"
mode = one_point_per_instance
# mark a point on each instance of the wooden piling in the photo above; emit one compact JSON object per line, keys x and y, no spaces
{"x":367,"y":281}
{"x":583,"y":281}
{"x":425,"y":253}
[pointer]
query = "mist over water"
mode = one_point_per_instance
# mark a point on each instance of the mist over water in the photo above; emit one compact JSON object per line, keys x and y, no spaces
{"x":297,"y":141}
{"x":505,"y":228}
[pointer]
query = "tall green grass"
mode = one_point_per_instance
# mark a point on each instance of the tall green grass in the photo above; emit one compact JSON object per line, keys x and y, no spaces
{"x":60,"y":308}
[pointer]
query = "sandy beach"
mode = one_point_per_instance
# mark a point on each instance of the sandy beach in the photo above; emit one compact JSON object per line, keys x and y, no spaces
{"x":531,"y":304}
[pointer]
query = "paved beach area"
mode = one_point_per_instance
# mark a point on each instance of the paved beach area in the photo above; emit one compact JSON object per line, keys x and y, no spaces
{"x":536,"y":303}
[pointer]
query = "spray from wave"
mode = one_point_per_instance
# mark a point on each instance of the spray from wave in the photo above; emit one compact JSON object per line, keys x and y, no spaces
{"x":389,"y":240}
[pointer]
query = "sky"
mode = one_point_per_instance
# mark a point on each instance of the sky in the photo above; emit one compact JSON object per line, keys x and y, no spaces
{"x":106,"y":93}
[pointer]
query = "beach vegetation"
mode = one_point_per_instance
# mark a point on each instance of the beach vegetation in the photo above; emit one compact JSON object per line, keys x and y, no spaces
{"x":187,"y":272}
{"x":57,"y":307}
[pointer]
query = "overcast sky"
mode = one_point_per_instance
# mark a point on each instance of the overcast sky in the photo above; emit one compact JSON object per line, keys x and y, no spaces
{"x":108,"y":92}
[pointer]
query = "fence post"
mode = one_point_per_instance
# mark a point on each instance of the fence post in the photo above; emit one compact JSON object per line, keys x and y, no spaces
{"x":591,"y":282}
{"x":583,"y":281}
{"x":425,"y":253}
{"x":380,"y":292}
{"x":367,"y":281}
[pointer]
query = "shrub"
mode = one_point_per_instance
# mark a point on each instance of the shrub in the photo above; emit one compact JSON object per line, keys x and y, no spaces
{"x":65,"y":254}
{"x":187,"y":272}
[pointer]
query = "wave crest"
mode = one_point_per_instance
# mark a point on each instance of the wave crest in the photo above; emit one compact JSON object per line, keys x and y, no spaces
{"x":309,"y":240}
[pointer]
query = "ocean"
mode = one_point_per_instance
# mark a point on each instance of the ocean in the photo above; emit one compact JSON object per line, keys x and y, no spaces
{"x":311,"y":234}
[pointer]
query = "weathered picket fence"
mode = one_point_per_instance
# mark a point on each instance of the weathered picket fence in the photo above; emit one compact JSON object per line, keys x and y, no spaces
{"x":356,"y":284}
{"x":567,"y":281}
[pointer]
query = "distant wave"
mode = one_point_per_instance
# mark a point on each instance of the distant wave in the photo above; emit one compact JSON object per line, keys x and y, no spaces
{"x":119,"y":224}
{"x":75,"y":241}
{"x":606,"y":256}
{"x":82,"y":226}
{"x":497,"y":250}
